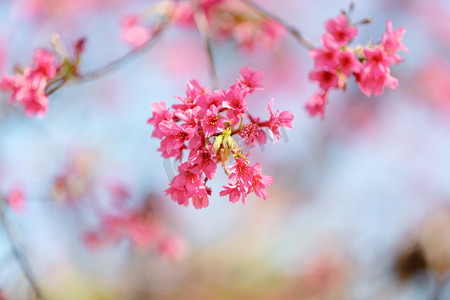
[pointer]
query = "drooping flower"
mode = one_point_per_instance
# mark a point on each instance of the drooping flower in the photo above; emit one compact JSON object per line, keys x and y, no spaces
{"x":204,"y":160}
{"x":235,"y":192}
{"x":326,"y":56}
{"x":341,"y":29}
{"x":327,"y":78}
{"x":160,"y":113}
{"x":188,"y":183}
{"x":316,"y":104}
{"x":348,"y":62}
{"x":392,"y":41}
{"x":44,"y":63}
{"x":175,"y":138}
{"x":253,"y":133}
{"x":234,"y":100}
{"x":260,"y":182}
{"x":29,"y":87}
{"x":277,"y":120}
{"x":251,"y":79}
{"x":240,"y":173}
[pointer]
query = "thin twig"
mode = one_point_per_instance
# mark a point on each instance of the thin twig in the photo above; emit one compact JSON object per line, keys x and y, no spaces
{"x":159,"y":28}
{"x":203,"y":28}
{"x":20,"y":257}
{"x":292,"y":30}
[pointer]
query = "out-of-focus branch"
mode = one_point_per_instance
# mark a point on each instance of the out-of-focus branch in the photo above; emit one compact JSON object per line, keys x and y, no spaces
{"x":158,"y":30}
{"x":292,"y":30}
{"x":19,"y":256}
{"x":203,"y":28}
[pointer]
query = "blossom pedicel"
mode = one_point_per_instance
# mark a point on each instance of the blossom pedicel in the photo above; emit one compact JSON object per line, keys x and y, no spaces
{"x":205,"y":125}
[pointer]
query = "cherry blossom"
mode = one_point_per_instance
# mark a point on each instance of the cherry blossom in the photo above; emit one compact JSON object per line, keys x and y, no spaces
{"x":336,"y":62}
{"x":205,"y":125}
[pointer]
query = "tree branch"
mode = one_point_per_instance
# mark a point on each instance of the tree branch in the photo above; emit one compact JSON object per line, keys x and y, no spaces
{"x":160,"y":27}
{"x":203,"y":28}
{"x":19,"y":256}
{"x":292,"y":30}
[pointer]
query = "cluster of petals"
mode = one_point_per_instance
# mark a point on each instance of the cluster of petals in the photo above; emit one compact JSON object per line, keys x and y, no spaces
{"x":245,"y":179}
{"x":29,"y":87}
{"x":141,"y":229}
{"x":204,"y":125}
{"x":335,"y":62}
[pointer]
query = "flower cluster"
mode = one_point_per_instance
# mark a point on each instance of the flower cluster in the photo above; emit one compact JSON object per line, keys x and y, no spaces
{"x":141,"y":226}
{"x":336,"y":61}
{"x":28,"y":87}
{"x":32,"y":85}
{"x":205,"y":124}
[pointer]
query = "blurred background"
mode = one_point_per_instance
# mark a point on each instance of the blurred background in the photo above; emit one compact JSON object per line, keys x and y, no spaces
{"x":359,"y":208}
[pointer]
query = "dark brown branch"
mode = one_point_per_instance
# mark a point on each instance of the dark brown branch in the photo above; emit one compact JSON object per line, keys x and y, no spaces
{"x":292,"y":30}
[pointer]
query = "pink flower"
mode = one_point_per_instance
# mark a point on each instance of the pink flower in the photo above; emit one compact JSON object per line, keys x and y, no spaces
{"x":160,"y":113}
{"x":327,"y":78}
{"x":260,"y":182}
{"x":16,"y":200}
{"x":277,"y":119}
{"x":392,"y":41}
{"x":188,"y":183}
{"x":375,"y":73}
{"x":235,"y":193}
{"x":253,"y":133}
{"x":200,"y":200}
{"x":196,"y":121}
{"x":316,"y":104}
{"x":377,"y":60}
{"x":175,"y":137}
{"x":235,"y":101}
{"x":44,"y":62}
{"x":216,"y":98}
{"x":348,"y":62}
{"x":240,"y":173}
{"x":28,"y":90}
{"x":194,"y":93}
{"x":245,"y":179}
{"x":372,"y":81}
{"x":213,"y":122}
{"x":204,"y":160}
{"x":341,"y":30}
{"x":190,"y":117}
{"x":327,"y":56}
{"x":250,"y":79}
{"x":133,"y":32}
